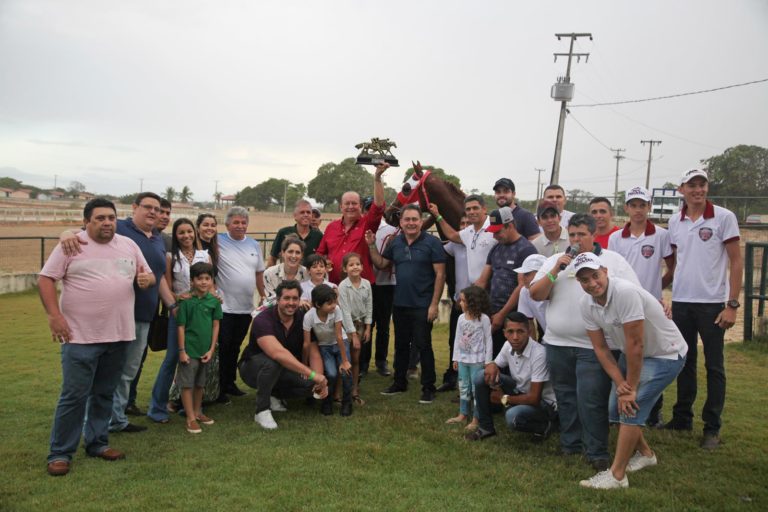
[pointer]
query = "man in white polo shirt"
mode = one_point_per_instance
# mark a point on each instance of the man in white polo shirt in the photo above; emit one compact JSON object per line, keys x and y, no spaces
{"x":705,"y":238}
{"x":581,"y":385}
{"x":474,"y":237}
{"x":554,"y":237}
{"x":645,"y":246}
{"x":652,"y":355}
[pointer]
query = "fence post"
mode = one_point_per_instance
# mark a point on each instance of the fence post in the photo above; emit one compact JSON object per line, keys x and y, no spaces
{"x":42,"y":252}
{"x":748,"y":276}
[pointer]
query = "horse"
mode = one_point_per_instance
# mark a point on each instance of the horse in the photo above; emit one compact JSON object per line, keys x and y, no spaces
{"x":424,"y":188}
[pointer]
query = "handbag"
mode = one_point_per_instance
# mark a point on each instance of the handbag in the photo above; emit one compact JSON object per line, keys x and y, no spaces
{"x":157,"y":339}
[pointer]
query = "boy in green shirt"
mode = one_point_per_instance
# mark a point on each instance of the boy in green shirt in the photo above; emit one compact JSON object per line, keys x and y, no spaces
{"x":198,"y":324}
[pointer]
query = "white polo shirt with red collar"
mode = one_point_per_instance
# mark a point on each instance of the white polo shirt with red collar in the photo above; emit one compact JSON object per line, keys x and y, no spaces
{"x":644,"y":253}
{"x":701,"y":274}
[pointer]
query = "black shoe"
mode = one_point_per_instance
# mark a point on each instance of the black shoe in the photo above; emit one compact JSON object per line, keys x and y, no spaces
{"x":479,"y":435}
{"x":394,"y":389}
{"x":131,"y":428}
{"x":383,"y":370}
{"x":346,"y":408}
{"x":234,"y":391}
{"x":326,"y":408}
{"x":427,"y":396}
{"x":223,"y":399}
{"x":710,"y":441}
{"x":540,"y":437}
{"x":446,"y":386}
{"x":132,"y":410}
{"x":675,"y":425}
{"x":600,"y":464}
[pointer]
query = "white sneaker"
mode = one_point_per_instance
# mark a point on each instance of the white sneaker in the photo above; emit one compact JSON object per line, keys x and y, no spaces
{"x":640,"y":461}
{"x":265,"y":419}
{"x":605,"y":480}
{"x":277,"y":405}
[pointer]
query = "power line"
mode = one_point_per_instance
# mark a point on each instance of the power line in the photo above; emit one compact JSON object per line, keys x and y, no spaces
{"x":589,"y":132}
{"x":671,"y":95}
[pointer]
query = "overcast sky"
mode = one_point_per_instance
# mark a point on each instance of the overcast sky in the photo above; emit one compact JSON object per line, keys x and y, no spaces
{"x":189,"y":92}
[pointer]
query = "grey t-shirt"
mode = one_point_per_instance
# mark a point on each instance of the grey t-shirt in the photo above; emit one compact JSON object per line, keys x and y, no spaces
{"x":239,"y":261}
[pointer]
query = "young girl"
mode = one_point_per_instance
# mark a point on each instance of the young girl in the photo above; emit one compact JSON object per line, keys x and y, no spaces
{"x":356,"y":301}
{"x":318,"y":274}
{"x":325,"y":320}
{"x":472,"y":348}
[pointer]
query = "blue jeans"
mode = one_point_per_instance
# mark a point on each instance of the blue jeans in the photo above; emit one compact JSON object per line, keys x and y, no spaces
{"x":467,"y":374}
{"x":133,"y":356}
{"x":331,"y":362}
{"x":699,"y":319}
{"x":529,"y":418}
{"x":656,"y":374}
{"x":581,"y":388}
{"x":158,"y":404}
{"x":89,"y":375}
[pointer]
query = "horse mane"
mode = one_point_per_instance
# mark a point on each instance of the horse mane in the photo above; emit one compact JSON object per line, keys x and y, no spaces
{"x":453,"y":187}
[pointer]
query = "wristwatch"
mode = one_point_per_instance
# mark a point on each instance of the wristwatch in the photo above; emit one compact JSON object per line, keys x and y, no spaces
{"x":733,"y":303}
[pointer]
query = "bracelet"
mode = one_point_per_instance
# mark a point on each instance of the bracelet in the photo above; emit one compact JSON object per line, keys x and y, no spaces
{"x":438,"y":218}
{"x":173,"y":306}
{"x":182,"y":349}
{"x":311,"y":375}
{"x":551,"y":277}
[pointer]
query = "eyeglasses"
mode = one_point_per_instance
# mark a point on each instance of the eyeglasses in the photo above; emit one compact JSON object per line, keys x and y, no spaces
{"x":151,"y":208}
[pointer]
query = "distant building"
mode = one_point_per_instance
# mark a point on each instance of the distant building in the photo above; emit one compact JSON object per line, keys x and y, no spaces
{"x":21,"y":193}
{"x":5,"y":192}
{"x":85,"y":196}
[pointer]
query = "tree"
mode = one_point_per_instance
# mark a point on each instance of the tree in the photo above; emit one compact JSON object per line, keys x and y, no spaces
{"x":11,"y":183}
{"x":75,"y":188}
{"x":170,"y":194}
{"x":185,"y":195}
{"x":739,"y":171}
{"x":127,"y":199}
{"x":436,"y":171}
{"x":217,"y":199}
{"x":333,"y":180}
{"x":273,"y":193}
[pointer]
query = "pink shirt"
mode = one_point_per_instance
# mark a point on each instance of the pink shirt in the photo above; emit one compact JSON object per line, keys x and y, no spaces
{"x":97,"y":288}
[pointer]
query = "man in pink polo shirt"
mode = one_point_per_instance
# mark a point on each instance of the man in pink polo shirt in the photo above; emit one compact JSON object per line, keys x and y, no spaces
{"x":94,"y":324}
{"x":347,"y":234}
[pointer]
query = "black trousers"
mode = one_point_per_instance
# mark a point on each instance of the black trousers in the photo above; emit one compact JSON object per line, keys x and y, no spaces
{"x":382,"y":314}
{"x":413,"y":332}
{"x":270,"y":379}
{"x":232,"y":331}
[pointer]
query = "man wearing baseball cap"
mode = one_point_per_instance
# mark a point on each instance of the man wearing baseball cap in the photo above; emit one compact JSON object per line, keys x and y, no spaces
{"x":621,"y":315}
{"x":554,"y":237}
{"x":533,"y":309}
{"x":504,"y":191}
{"x":499,"y":272}
{"x":705,"y":302}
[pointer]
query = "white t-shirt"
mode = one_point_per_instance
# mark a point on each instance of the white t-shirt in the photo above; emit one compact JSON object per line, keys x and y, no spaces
{"x":565,"y":216}
{"x":239,"y":261}
{"x":384,"y":235}
{"x":701,"y":274}
{"x":307,"y":287}
{"x":459,"y":253}
{"x":530,"y":366}
{"x":549,"y":247}
{"x":627,"y":302}
{"x":533,"y":308}
{"x":478,"y":244}
{"x":473,"y":342}
{"x":564,"y":327}
{"x":645,"y":253}
{"x":181,"y":281}
{"x":325,"y":332}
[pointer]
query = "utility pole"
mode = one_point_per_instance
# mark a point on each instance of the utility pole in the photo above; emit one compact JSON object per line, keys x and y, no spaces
{"x":216,"y":193}
{"x":538,"y":182}
{"x":563,"y":91}
{"x":55,"y":181}
{"x":650,"y":152}
{"x":618,"y":158}
{"x":141,"y":185}
{"x":285,"y":195}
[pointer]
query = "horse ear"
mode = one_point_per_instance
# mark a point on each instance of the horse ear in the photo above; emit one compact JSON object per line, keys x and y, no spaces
{"x":416,"y":168}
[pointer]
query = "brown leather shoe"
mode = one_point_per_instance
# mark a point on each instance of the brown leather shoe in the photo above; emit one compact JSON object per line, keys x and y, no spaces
{"x":110,"y":454}
{"x":58,"y":467}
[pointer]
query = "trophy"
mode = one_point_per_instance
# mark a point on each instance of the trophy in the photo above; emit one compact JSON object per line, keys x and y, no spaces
{"x":377,"y":152}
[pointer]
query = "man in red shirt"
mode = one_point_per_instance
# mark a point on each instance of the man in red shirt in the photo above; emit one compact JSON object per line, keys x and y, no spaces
{"x":602,"y":210}
{"x":347,"y":234}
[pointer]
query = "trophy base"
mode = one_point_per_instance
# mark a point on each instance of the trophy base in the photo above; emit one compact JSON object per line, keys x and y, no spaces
{"x":376,"y":160}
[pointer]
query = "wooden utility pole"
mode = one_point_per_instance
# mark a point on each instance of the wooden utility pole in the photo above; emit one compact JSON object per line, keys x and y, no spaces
{"x":555,"y":178}
{"x":650,"y":153}
{"x":618,"y":158}
{"x":538,"y":182}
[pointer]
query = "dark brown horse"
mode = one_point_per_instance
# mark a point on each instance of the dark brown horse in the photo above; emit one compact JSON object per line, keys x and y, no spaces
{"x":425,"y":188}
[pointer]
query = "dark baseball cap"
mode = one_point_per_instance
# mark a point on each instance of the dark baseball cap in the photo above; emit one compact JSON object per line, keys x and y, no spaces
{"x":499,"y":218}
{"x":504,"y":182}
{"x":545,"y":206}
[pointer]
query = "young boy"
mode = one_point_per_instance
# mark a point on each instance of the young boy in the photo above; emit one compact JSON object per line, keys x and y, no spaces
{"x":317,"y":266}
{"x":325,"y":321}
{"x":198,"y":327}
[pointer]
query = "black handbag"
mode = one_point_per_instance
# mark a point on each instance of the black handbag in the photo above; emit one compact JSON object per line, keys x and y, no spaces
{"x":157,"y":339}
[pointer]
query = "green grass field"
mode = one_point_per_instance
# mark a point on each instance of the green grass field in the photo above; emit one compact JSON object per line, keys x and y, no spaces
{"x":392,"y":454}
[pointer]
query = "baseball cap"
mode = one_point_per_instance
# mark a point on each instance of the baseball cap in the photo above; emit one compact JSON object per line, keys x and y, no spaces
{"x":637,"y":193}
{"x":689,"y":175}
{"x":587,"y":260}
{"x":499,"y":218}
{"x":544,"y":206}
{"x":316,"y":212}
{"x":532,"y":263}
{"x":504,"y":182}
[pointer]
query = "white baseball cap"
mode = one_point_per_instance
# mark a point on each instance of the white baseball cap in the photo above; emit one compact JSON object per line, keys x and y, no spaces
{"x":531,"y":264}
{"x":587,"y":260}
{"x":637,"y":193}
{"x":693,"y":173}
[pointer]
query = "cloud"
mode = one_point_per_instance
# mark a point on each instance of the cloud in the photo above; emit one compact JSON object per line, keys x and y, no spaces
{"x":77,"y":144}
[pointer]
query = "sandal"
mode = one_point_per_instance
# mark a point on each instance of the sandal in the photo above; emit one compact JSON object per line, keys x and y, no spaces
{"x":358,"y":401}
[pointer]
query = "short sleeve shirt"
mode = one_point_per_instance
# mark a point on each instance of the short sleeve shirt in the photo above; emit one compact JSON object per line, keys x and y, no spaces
{"x":311,"y":241}
{"x":536,"y":309}
{"x":268,"y":324}
{"x":478,"y":244}
{"x":459,"y":253}
{"x":504,"y":259}
{"x":325,"y":332}
{"x":414,"y":266}
{"x":549,"y":247}
{"x":701,"y":273}
{"x":525,"y":222}
{"x":196,"y":315}
{"x":530,"y":366}
{"x":153,"y":249}
{"x":239,"y":261}
{"x":644,"y":253}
